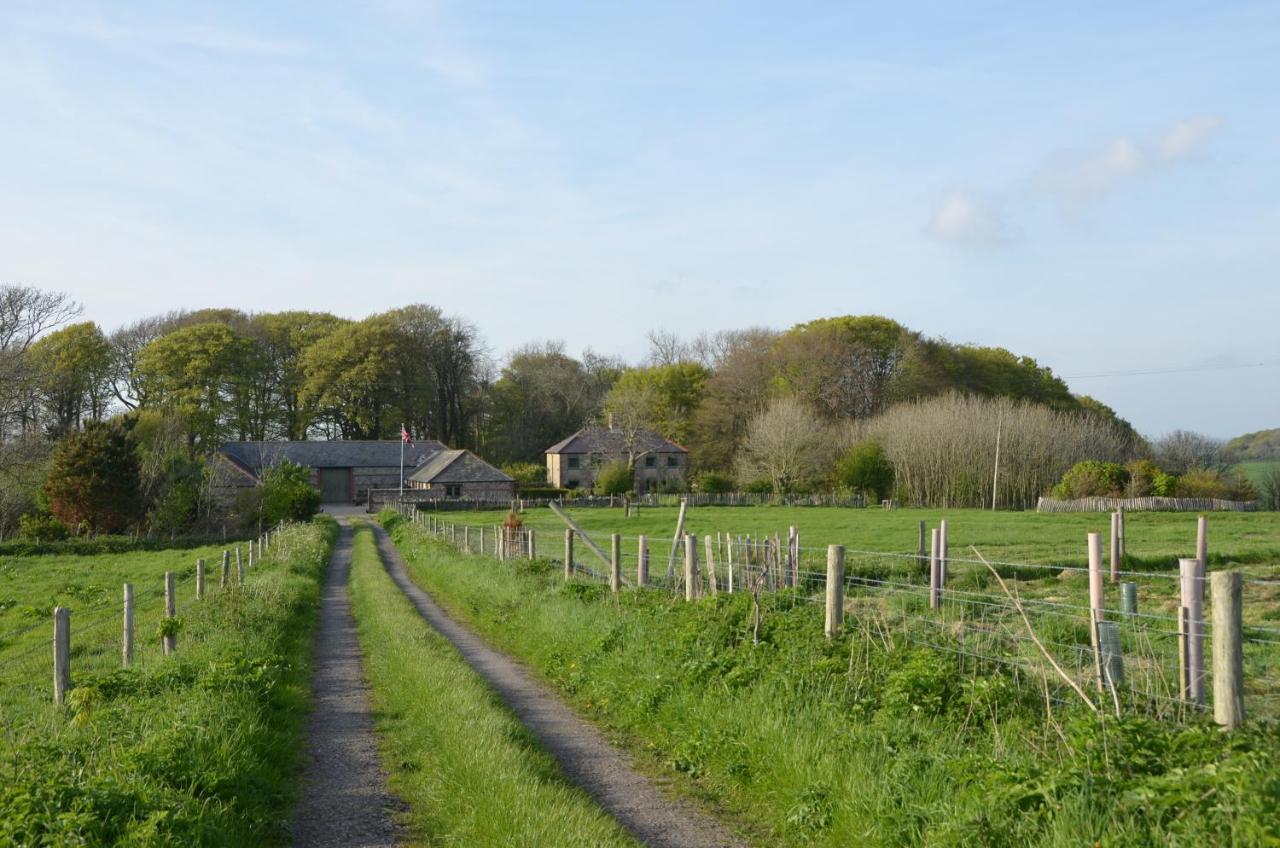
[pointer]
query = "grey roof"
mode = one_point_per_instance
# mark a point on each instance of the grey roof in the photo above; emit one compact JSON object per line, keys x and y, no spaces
{"x":385,"y":453}
{"x":458,"y":466}
{"x":596,"y":439}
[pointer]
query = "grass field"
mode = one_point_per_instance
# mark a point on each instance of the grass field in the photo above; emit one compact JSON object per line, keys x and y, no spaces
{"x":196,"y":748}
{"x":1255,"y":469}
{"x":470,"y":773}
{"x":885,"y":735}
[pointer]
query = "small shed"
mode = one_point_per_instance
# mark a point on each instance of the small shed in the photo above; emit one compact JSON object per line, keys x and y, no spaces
{"x":461,"y":475}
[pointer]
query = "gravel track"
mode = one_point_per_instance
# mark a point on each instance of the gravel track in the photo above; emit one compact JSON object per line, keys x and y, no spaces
{"x":585,"y":756}
{"x":344,"y":800}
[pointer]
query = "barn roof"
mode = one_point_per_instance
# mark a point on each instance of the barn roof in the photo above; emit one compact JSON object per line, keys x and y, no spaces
{"x":458,"y":466}
{"x":383,"y":453}
{"x":597,"y":439}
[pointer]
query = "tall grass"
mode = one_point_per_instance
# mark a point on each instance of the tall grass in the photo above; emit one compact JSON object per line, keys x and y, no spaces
{"x":200,"y":748}
{"x":471,"y":774}
{"x":866,"y":739}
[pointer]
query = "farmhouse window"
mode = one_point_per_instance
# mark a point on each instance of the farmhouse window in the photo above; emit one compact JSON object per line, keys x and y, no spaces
{"x":673,"y":461}
{"x":573,"y":462}
{"x":650,"y":462}
{"x":453,"y":490}
{"x":572,"y":483}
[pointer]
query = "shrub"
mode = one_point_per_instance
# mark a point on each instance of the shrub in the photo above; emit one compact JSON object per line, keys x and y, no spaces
{"x":287,"y":494}
{"x":1092,"y":478}
{"x":1270,"y":485}
{"x":1207,"y":483}
{"x":614,"y":479}
{"x":762,"y":486}
{"x":527,"y":473}
{"x":1146,"y":479}
{"x":41,"y":528}
{"x":94,"y":478}
{"x":865,"y":469}
{"x":713,"y":483}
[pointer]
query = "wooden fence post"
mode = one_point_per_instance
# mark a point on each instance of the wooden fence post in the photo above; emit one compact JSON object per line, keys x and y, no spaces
{"x":943,"y":554}
{"x":239,"y":568}
{"x":615,"y":563}
{"x":1115,"y":547}
{"x":1123,"y":550}
{"x":728,"y":562}
{"x":126,"y":646}
{"x":568,"y":554}
{"x":835,"y":589}
{"x":920,"y":551}
{"x":61,"y":654}
{"x":225,"y":573}
{"x":642,"y":562}
{"x":199,"y":580}
{"x":935,"y":594}
{"x":466,"y":537}
{"x":1202,"y":544}
{"x":1192,"y":592}
{"x":533,"y":544}
{"x":711,"y":566}
{"x":250,"y":564}
{"x":690,"y":566}
{"x":169,"y":640}
{"x":1096,"y":600}
{"x":1228,"y":649}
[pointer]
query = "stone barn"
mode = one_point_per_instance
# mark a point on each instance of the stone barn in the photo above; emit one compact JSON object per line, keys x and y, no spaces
{"x":460,"y":475}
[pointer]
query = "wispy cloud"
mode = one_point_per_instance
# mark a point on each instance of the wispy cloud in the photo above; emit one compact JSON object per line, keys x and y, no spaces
{"x":971,"y":220}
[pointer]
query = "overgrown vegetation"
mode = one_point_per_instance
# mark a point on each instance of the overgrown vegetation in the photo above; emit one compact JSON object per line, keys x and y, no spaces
{"x":470,"y":773}
{"x":199,"y":748}
{"x":865,"y":739}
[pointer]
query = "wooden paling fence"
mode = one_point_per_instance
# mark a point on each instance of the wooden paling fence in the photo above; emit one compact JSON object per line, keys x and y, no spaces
{"x":1127,"y":652}
{"x":1145,"y":505}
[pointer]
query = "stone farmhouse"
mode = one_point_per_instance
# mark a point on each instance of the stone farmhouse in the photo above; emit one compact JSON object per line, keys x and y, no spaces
{"x":660,"y":463}
{"x":346,"y":471}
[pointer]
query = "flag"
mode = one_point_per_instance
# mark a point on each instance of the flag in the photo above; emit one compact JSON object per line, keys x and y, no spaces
{"x":405,"y":438}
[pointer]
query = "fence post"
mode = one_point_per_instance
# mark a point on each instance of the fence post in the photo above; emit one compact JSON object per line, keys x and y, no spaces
{"x":728,"y":561}
{"x":126,"y":645}
{"x":199,"y":580}
{"x":466,"y":537}
{"x":226,"y":569}
{"x":1115,"y":547}
{"x":1123,"y":550}
{"x":1228,"y":649}
{"x":642,"y":562}
{"x":170,"y":640}
{"x":615,"y":562}
{"x":920,"y":552}
{"x":835,"y":589}
{"x":711,"y":566}
{"x":533,"y":544}
{"x":1129,"y":598}
{"x":568,"y":553}
{"x":934,"y":570}
{"x":1192,"y":592}
{"x":250,"y":553}
{"x":1202,"y":543}
{"x":943,"y":554}
{"x":239,"y":568}
{"x":1096,"y":600}
{"x":481,"y":529}
{"x":61,"y":654}
{"x":690,"y":566}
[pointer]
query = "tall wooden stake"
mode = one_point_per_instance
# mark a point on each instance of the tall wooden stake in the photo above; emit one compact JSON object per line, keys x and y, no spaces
{"x":935,"y":588}
{"x":1228,"y":649}
{"x":835,"y":589}
{"x":615,"y":563}
{"x":1192,"y":586}
{"x":126,"y":647}
{"x":690,"y":567}
{"x":568,"y":554}
{"x":1096,"y":601}
{"x":61,"y":654}
{"x":642,"y":562}
{"x":170,"y":640}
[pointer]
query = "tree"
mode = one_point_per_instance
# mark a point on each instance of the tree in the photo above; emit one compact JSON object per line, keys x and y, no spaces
{"x":865,"y":469}
{"x":93,"y":478}
{"x":614,"y":478}
{"x":663,"y":398}
{"x":1182,"y":451}
{"x":25,"y":314}
{"x":200,"y":372}
{"x":842,"y":366}
{"x":287,"y":494}
{"x":283,"y":338}
{"x":733,"y":395}
{"x":348,"y":381}
{"x":71,"y":369}
{"x":788,"y":444}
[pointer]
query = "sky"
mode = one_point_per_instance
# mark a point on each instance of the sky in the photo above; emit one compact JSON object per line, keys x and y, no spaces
{"x":1096,"y":186}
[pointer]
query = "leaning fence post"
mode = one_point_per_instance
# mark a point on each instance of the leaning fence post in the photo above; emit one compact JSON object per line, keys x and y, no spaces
{"x":61,"y":654}
{"x":642,"y":562}
{"x":126,"y":646}
{"x":835,"y":589}
{"x":568,"y":553}
{"x":690,"y":566}
{"x":1228,"y":649}
{"x":169,"y":640}
{"x":615,"y":562}
{"x":1192,"y":592}
{"x":199,"y":580}
{"x":1096,"y":600}
{"x":935,"y":595}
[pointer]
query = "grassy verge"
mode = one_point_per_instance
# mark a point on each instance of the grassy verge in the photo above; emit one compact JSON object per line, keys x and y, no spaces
{"x":199,"y":748}
{"x":865,"y":739}
{"x":471,"y":774}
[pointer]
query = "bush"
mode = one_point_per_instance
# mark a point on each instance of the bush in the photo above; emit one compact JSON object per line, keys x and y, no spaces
{"x":41,"y":528}
{"x":865,"y":470}
{"x":614,"y":479}
{"x":527,"y":474}
{"x":1271,"y":488}
{"x":1091,"y":478}
{"x":287,"y":494}
{"x":713,"y":483}
{"x":1201,"y":483}
{"x":1146,"y":479}
{"x":94,"y":478}
{"x":762,"y":486}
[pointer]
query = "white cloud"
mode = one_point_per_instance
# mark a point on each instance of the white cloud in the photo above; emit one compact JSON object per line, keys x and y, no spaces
{"x":967,"y":219}
{"x":1076,"y":179}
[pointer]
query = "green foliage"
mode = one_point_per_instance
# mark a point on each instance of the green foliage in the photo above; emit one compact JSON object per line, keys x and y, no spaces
{"x":713,"y":483}
{"x":1209,"y":483}
{"x":865,"y":469}
{"x":759,"y":486}
{"x":542,"y":492}
{"x":287,"y":494}
{"x":527,"y":473}
{"x":1264,"y":444}
{"x":1269,"y":486}
{"x":71,"y":375}
{"x":94,"y":478}
{"x":37,"y":527}
{"x":662,"y":398}
{"x":201,"y":373}
{"x":1146,"y":479}
{"x":614,"y":478}
{"x":1092,"y":478}
{"x":168,"y":627}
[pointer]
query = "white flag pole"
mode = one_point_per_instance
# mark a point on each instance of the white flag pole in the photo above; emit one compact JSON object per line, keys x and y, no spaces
{"x":402,"y":432}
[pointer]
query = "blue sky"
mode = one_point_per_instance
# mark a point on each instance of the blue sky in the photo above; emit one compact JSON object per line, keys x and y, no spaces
{"x":1096,"y":186}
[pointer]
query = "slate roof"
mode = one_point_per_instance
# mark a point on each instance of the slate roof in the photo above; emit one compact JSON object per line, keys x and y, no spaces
{"x":458,"y":466}
{"x":597,"y":439}
{"x":385,"y":453}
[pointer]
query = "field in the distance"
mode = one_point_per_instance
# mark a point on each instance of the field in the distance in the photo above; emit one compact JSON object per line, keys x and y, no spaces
{"x":1256,"y":468}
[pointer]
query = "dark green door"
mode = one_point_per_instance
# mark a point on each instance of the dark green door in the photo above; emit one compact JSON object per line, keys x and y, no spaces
{"x":335,"y":485}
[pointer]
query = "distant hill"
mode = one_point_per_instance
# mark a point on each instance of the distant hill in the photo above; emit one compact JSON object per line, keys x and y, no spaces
{"x":1264,"y":444}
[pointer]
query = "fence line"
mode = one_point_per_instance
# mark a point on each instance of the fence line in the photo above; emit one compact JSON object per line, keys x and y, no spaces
{"x":1151,"y":504}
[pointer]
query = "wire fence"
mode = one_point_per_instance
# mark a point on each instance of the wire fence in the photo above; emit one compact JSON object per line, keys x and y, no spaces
{"x":1132,"y":646}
